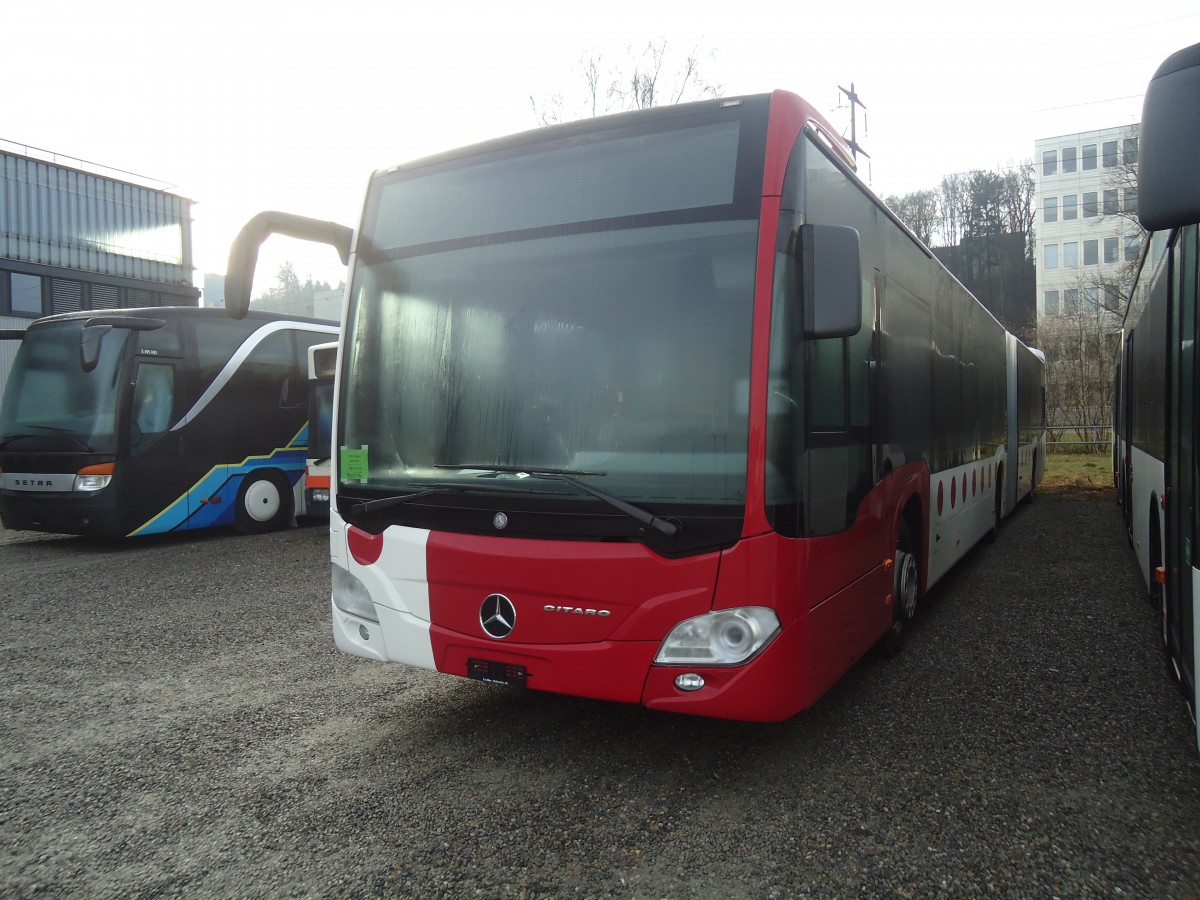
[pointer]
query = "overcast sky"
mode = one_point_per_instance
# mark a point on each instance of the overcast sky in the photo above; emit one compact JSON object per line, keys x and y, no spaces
{"x":252,"y":105}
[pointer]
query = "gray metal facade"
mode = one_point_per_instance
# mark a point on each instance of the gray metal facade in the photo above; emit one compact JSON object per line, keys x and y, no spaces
{"x":51,"y":215}
{"x":71,"y":239}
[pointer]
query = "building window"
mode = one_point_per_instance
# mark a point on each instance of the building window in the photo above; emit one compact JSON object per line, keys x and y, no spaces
{"x":1111,"y":250}
{"x":1110,"y":203}
{"x":1133,"y":247}
{"x":137,"y":297}
{"x":1091,"y":253}
{"x":66,"y":295}
{"x":1068,"y":159}
{"x":1070,"y":207}
{"x":1050,"y":209}
{"x":1071,"y":301}
{"x":1070,"y":258}
{"x":1112,"y":298}
{"x":104,"y":296}
{"x":1051,"y":256}
{"x":1051,"y":303}
{"x":1131,"y":200}
{"x":25,"y":297}
{"x":1091,"y":300}
{"x":1130,"y":149}
{"x":1109,"y":149}
{"x":1091,"y":208}
{"x":1050,"y":162}
{"x":1089,"y":156}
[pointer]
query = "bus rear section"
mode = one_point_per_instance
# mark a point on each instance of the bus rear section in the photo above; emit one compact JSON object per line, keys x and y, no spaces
{"x":133,"y":422}
{"x":668,"y":434}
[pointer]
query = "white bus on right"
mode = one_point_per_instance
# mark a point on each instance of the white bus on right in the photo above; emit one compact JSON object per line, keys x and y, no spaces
{"x":1156,"y":441}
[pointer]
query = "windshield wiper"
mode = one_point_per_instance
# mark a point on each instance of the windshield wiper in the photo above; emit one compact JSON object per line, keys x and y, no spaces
{"x":517,"y":470}
{"x":670,"y":529}
{"x":365,"y":506}
{"x":53,"y":429}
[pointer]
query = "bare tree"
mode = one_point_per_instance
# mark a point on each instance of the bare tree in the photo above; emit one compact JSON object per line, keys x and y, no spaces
{"x":954,"y":202}
{"x":1120,"y":199}
{"x":919,"y":211}
{"x":1080,"y":347}
{"x":1017,"y":191}
{"x":645,"y":78}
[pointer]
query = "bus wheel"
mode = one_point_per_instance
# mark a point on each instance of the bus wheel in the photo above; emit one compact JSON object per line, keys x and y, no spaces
{"x":264,"y":503}
{"x":905,"y":585}
{"x":990,"y":537}
{"x":1028,"y":498}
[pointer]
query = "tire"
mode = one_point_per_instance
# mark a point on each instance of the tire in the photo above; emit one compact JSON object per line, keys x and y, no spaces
{"x":1028,"y":498}
{"x":990,"y":537}
{"x":906,"y":583}
{"x":264,"y":503}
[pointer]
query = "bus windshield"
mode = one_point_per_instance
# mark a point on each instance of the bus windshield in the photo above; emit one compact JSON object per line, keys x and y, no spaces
{"x":603,"y":331}
{"x":51,"y":404}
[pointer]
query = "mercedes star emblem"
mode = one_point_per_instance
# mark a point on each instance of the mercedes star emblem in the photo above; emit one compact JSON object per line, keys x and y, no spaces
{"x":498,"y":616}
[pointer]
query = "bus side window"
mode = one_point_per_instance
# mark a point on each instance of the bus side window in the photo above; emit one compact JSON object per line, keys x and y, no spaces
{"x":827,"y":385}
{"x":270,"y":372}
{"x":153,"y":401}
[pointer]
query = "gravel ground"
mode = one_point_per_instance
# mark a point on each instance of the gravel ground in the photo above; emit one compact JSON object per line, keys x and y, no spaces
{"x":177,"y":722}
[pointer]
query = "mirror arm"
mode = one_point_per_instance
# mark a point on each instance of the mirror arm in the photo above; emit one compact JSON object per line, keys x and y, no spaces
{"x":243,"y":254}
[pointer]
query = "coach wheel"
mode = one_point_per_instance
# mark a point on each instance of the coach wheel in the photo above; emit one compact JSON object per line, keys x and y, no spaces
{"x":905,"y":586}
{"x":264,"y":503}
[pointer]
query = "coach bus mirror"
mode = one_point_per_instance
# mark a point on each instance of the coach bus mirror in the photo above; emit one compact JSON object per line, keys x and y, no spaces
{"x":95,"y":329}
{"x":1168,"y":178}
{"x":831,"y":281}
{"x":89,"y":345}
{"x":243,"y":254}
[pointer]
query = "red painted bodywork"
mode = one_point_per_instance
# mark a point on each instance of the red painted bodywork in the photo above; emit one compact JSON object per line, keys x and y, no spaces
{"x":832,"y":594}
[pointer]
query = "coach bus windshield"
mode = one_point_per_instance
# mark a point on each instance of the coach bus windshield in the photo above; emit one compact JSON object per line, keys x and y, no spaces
{"x":51,"y":404}
{"x":583,"y":307}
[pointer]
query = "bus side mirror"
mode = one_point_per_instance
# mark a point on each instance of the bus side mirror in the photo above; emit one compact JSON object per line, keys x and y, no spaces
{"x":243,"y":254}
{"x":89,"y":345}
{"x":96,"y":328}
{"x":1168,"y":177}
{"x":831,"y":281}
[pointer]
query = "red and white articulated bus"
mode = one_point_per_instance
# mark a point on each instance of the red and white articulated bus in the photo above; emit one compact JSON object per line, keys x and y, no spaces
{"x":1156,"y":445}
{"x":662,"y":408}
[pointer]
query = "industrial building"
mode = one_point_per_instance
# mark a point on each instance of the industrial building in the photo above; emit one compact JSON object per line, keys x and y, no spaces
{"x":78,"y":236}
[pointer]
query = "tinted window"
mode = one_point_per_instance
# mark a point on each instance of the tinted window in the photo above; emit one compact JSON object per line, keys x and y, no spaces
{"x":690,"y":168}
{"x":216,"y":341}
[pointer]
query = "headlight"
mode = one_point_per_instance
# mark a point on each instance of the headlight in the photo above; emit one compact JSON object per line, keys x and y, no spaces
{"x":94,"y":478}
{"x":351,"y":596}
{"x":727,"y":637}
{"x":91,"y":482}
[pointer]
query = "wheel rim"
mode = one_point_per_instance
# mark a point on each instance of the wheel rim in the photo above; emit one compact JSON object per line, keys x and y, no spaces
{"x":906,"y":583}
{"x":262,"y":501}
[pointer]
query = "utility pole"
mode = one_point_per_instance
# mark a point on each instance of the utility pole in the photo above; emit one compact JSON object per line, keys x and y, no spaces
{"x":855,"y":148}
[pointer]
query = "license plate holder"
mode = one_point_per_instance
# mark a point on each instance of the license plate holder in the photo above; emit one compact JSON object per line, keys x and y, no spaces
{"x":494,"y":672}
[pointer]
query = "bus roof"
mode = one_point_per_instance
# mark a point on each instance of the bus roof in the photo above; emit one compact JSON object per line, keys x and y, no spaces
{"x":580,"y":127}
{"x":179,"y":312}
